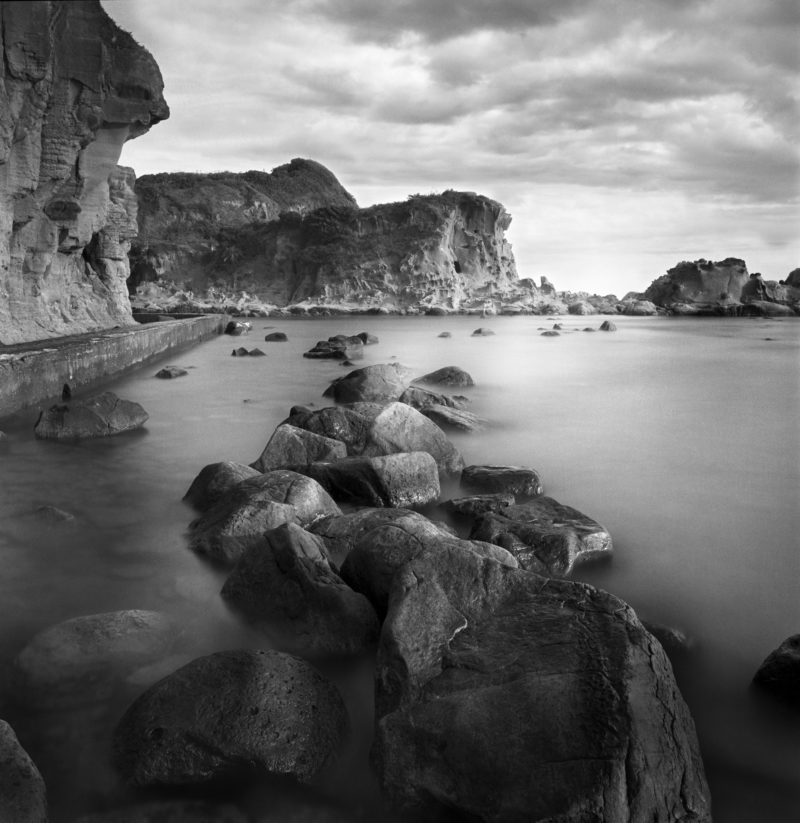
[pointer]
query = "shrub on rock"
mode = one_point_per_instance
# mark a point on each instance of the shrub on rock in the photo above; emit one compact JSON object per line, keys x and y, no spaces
{"x":100,"y":416}
{"x":504,"y":696}
{"x":286,"y":587}
{"x":228,"y":715}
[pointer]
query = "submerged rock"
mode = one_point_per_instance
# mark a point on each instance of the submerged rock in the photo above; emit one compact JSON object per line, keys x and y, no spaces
{"x":22,"y":791}
{"x":170,"y":372}
{"x":544,"y":534}
{"x":447,"y":376}
{"x":482,"y":332}
{"x":83,"y":660}
{"x":276,"y":337}
{"x":285,"y":586}
{"x":779,"y":674}
{"x":101,"y":416}
{"x":511,"y":479}
{"x":292,"y":446}
{"x":503,"y":696}
{"x":228,"y":715}
{"x":215,"y":481}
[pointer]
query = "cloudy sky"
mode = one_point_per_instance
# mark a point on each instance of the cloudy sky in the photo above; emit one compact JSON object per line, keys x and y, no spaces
{"x":622,"y":135}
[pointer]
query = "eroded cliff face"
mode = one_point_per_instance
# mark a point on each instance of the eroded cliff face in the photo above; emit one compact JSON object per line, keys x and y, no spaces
{"x":73,"y":88}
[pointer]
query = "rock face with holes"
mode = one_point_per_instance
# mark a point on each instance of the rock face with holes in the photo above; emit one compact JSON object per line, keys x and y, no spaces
{"x":503,"y":696}
{"x":75,"y":88}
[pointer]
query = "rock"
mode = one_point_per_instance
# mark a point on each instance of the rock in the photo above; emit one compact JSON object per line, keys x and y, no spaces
{"x":552,"y":534}
{"x":240,"y":352}
{"x":293,"y":446}
{"x":276,"y":337}
{"x":471,"y":649}
{"x":779,"y":674}
{"x":766,"y":308}
{"x":215,"y":481}
{"x":170,"y":372}
{"x":83,"y":660}
{"x":175,"y":811}
{"x":447,"y":376}
{"x":420,"y":399}
{"x":368,"y":339}
{"x":254,"y":506}
{"x":581,"y":307}
{"x":236,"y":328}
{"x":482,"y":332}
{"x":551,"y":333}
{"x":52,"y":515}
{"x":444,"y":334}
{"x":339,"y":347}
{"x":479,"y":504}
{"x":68,"y":211}
{"x":607,"y":325}
{"x":449,"y":418}
{"x":641,"y":308}
{"x":286,"y":587}
{"x":701,"y":287}
{"x":396,"y":480}
{"x":22,"y":791}
{"x":375,"y":543}
{"x":256,"y":353}
{"x":374,"y":430}
{"x":379,"y":383}
{"x":676,"y":643}
{"x":231,"y":714}
{"x":589,"y":328}
{"x":101,"y":416}
{"x":510,"y":479}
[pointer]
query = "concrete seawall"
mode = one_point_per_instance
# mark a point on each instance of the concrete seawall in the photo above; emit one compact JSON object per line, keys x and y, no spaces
{"x":31,"y":373}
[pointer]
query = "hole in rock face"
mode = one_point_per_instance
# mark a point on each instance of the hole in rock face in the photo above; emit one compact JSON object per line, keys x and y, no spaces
{"x":457,"y":266}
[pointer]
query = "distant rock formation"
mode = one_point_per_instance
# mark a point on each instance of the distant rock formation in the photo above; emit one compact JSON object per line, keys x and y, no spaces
{"x":722,"y":288}
{"x":296,"y":237}
{"x":74,"y":88}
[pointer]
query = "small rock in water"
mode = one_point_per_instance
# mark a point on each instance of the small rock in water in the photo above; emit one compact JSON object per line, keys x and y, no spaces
{"x":607,"y":325}
{"x":51,"y":515}
{"x":367,"y":338}
{"x":170,"y":372}
{"x":276,"y":337}
{"x":445,"y":334}
{"x":100,"y":416}
{"x":256,"y":353}
{"x":551,"y":333}
{"x":482,"y":332}
{"x":237,"y":327}
{"x":447,"y":376}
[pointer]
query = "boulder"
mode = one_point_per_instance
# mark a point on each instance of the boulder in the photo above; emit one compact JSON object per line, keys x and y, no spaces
{"x":766,"y":308}
{"x":581,"y":307}
{"x":419,"y":398}
{"x":215,"y":481}
{"x":276,"y":337}
{"x":444,"y":334}
{"x":339,"y":347}
{"x":85,"y":659}
{"x":231,"y":714}
{"x":551,"y":333}
{"x":607,"y":325}
{"x":285,"y":586}
{"x":254,"y":506}
{"x":482,"y":332}
{"x":100,"y":416}
{"x":375,"y":543}
{"x":447,"y":376}
{"x":169,"y":811}
{"x":502,"y":696}
{"x":543,"y":534}
{"x":240,"y":352}
{"x":368,"y":339}
{"x":290,"y":445}
{"x":478,"y":504}
{"x":447,"y":417}
{"x":511,"y":479}
{"x":348,"y":425}
{"x":22,"y":791}
{"x":379,"y":383}
{"x":395,"y":480}
{"x":237,"y":327}
{"x":256,"y":353}
{"x":779,"y":674}
{"x":170,"y":372}
{"x":639,"y":308}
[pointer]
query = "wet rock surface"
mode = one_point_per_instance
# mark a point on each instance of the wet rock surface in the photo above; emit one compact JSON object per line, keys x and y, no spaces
{"x":380,"y":383}
{"x":506,"y":479}
{"x":291,"y":446}
{"x":214,"y":481}
{"x":101,"y":416}
{"x":494,"y":694}
{"x":228,"y":715}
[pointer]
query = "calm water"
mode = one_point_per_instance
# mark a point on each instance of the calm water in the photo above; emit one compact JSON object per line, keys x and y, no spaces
{"x":681,"y":436}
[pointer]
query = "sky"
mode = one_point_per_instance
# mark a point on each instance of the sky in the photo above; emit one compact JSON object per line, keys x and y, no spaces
{"x":623,"y":136}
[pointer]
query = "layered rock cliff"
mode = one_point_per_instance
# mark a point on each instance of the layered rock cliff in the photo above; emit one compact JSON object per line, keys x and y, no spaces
{"x":296,"y":236}
{"x":74,"y":88}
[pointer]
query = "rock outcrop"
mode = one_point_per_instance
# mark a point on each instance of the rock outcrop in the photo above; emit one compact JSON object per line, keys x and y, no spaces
{"x":74,"y":88}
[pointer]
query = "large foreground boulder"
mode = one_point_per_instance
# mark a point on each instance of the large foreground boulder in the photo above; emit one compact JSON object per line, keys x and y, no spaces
{"x":503,"y":696}
{"x":100,"y":416}
{"x":779,"y":674}
{"x":285,"y":587}
{"x":254,"y":506}
{"x":231,"y":714}
{"x":290,"y":445}
{"x":215,"y":481}
{"x":545,"y":535}
{"x":380,"y":383}
{"x":22,"y":790}
{"x":397,"y":480}
{"x":84,"y":659}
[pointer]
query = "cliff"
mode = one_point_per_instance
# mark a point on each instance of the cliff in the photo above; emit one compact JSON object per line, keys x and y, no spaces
{"x":74,"y":88}
{"x":722,"y":288}
{"x":185,"y":218}
{"x":296,"y":236}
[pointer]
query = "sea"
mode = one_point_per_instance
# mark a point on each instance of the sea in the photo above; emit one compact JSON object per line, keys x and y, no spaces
{"x":679,"y":435}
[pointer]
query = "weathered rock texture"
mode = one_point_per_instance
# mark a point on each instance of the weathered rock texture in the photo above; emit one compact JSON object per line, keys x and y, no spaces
{"x":74,"y":88}
{"x":22,"y":790}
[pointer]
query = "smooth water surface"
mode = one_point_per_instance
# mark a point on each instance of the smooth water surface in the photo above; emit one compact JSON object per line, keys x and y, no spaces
{"x":681,"y":436}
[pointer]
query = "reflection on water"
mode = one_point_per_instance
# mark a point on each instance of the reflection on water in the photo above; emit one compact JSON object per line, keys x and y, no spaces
{"x":680,"y":436}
